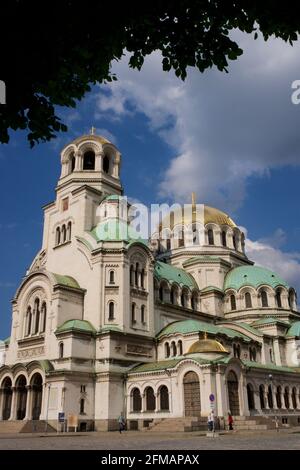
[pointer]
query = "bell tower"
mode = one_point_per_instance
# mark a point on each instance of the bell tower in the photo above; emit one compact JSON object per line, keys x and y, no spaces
{"x":91,"y":160}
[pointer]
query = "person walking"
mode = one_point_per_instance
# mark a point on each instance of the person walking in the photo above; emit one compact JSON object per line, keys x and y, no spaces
{"x":230,"y":421}
{"x":276,"y":423}
{"x":121,"y":422}
{"x":210,"y":421}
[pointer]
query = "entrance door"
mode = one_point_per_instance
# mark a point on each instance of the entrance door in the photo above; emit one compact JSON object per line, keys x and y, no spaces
{"x":191,"y":386}
{"x":233,"y":394}
{"x":21,"y":397}
{"x":37,"y":393}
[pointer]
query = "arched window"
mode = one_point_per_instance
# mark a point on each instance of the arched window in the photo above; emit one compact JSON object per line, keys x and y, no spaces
{"x":173,"y":349}
{"x":172,"y":299}
{"x":179,"y":346}
{"x":234,"y":241}
{"x":278,"y":299}
{"x":238,"y":351}
{"x":111,"y":311}
{"x":294,"y":398}
{"x":194,"y":302}
{"x":36,"y":315}
{"x":72,"y":160}
{"x":262,"y":396}
{"x":131,"y":275}
{"x":252,"y":353}
{"x":105,"y":164}
{"x":210,"y":235}
{"x":61,"y":350}
{"x":168,"y":244}
{"x":137,"y":274}
{"x":270,"y":397}
{"x":287,"y":397}
{"x":232,"y":302}
{"x":264,"y":299}
{"x":82,"y":403}
{"x":150,"y":399}
{"x":271,"y":354}
{"x":248,"y":301}
{"x":136,"y":400}
{"x":184,"y":299}
{"x":143,"y":314}
{"x":111,"y":277}
{"x":161,"y":293}
{"x":164,"y":398}
{"x":143,"y":278}
{"x":167,"y":350}
{"x":223,"y":236}
{"x":63,"y":234}
{"x":133,"y":317}
{"x":181,"y":239}
{"x":29,"y":321}
{"x":44,"y":316}
{"x":278,"y":398}
{"x":89,"y":160}
{"x":57,"y":237}
{"x":69,"y":231}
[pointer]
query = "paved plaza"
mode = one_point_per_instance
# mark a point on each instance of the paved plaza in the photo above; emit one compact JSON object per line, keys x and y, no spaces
{"x":285,"y":439}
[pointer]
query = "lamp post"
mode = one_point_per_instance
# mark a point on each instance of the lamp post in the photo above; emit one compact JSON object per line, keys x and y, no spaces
{"x":48,"y":397}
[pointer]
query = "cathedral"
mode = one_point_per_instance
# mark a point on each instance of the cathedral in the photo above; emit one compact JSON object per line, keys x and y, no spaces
{"x":162,"y":329}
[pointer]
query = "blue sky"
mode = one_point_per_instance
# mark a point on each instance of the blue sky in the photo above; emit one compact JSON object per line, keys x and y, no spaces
{"x":232,"y":138}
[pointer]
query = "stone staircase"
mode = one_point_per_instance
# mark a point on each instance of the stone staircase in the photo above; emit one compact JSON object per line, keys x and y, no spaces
{"x":190,"y":424}
{"x":177,"y":425}
{"x":253,"y":423}
{"x":15,"y":427}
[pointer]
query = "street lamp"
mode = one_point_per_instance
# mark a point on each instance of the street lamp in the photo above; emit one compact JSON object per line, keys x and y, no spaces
{"x":48,"y":397}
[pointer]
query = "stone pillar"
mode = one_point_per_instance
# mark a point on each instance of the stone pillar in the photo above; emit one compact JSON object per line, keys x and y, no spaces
{"x":266,"y":400}
{"x":13,"y":409}
{"x":1,"y":403}
{"x":277,"y":352}
{"x":221,"y":405}
{"x":283,"y":407}
{"x":256,"y":398}
{"x":78,"y":161}
{"x":28,"y":414}
{"x":98,"y":161}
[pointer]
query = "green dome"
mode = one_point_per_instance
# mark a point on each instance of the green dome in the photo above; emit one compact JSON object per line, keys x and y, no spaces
{"x":294,"y":329}
{"x":173,"y":274}
{"x":116,"y":230}
{"x":76,"y":325}
{"x":254,"y":276}
{"x":193,"y":326}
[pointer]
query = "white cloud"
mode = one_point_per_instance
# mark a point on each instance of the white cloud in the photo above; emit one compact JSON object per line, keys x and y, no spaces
{"x":223,"y":128}
{"x":286,"y":264}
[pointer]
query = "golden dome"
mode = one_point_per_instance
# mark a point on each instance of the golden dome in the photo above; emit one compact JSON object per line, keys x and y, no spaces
{"x":207,"y":346}
{"x":196,"y":213}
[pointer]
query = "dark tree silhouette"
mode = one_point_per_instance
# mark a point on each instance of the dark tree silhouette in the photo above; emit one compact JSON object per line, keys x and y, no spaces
{"x":53,"y":51}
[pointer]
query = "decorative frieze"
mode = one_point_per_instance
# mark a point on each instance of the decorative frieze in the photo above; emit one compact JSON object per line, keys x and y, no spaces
{"x":33,"y":352}
{"x":138,"y":350}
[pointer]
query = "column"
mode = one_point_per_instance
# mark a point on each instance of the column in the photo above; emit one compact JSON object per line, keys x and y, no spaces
{"x":28,"y":414}
{"x":13,"y":409}
{"x":98,"y":161}
{"x":277,"y":352}
{"x":78,"y":161}
{"x":256,"y":399}
{"x":266,"y":400}
{"x":1,"y":403}
{"x":283,"y":407}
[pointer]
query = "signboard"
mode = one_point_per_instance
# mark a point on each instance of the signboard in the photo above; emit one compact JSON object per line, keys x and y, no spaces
{"x":211,"y":397}
{"x":61,"y":417}
{"x":72,"y":421}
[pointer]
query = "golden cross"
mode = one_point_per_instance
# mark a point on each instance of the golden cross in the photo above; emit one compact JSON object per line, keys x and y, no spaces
{"x":92,"y":131}
{"x":193,"y":199}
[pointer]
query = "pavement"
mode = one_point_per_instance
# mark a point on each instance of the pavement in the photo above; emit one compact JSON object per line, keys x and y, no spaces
{"x":285,"y":439}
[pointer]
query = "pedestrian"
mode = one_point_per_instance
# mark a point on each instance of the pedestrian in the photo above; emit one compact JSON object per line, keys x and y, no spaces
{"x":276,"y":424}
{"x":230,"y":421}
{"x":121,"y":421}
{"x":210,"y":421}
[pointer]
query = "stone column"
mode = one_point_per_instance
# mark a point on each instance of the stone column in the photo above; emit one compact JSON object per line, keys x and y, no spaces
{"x":283,"y":407}
{"x":266,"y":400}
{"x":98,"y":161}
{"x":256,"y":398}
{"x":277,"y":352}
{"x":28,"y":414}
{"x":78,"y":161}
{"x":13,"y":408}
{"x":1,"y":403}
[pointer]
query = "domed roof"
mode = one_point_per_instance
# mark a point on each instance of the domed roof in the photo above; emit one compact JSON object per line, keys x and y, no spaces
{"x":200,"y":213}
{"x":207,"y":346}
{"x":294,"y":329}
{"x":254,"y":276}
{"x":116,"y":230}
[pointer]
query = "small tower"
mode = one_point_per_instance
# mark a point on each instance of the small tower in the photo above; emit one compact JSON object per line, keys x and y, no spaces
{"x":91,"y":160}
